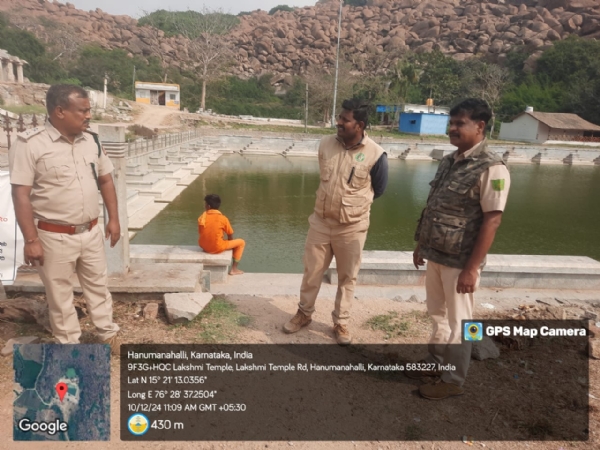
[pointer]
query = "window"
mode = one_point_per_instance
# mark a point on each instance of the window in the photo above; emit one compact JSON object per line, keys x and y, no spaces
{"x":413,"y":122}
{"x":172,"y":97}
{"x":143,"y":93}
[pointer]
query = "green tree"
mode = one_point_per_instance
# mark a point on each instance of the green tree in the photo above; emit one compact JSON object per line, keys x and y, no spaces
{"x":280,"y":8}
{"x":440,"y":78}
{"x":574,"y":64}
{"x":210,"y":52}
{"x":543,"y":96}
{"x":94,"y":62}
{"x":41,"y":68}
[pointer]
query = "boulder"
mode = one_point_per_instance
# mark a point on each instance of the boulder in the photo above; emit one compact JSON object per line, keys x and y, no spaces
{"x":184,"y":307}
{"x":484,"y":349}
{"x":23,"y":340}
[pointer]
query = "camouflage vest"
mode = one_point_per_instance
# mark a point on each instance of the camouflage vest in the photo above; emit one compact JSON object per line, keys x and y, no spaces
{"x":450,"y":223}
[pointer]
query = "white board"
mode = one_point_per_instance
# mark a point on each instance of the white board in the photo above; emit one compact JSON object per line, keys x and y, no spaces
{"x":11,"y":239}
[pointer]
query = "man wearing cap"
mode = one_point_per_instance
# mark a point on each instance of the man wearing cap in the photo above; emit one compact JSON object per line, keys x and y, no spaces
{"x":353,"y":172}
{"x":454,"y":234}
{"x":56,"y":171}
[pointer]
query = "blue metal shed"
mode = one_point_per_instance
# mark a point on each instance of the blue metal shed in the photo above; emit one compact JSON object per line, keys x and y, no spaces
{"x":423,"y":123}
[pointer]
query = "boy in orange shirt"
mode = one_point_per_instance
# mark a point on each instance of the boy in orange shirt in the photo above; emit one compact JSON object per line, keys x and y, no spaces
{"x":211,"y":225}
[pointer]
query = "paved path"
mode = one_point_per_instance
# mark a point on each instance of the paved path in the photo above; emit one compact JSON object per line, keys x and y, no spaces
{"x":271,"y":284}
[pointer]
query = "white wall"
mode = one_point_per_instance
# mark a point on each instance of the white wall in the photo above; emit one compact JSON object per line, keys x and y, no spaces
{"x":523,"y":128}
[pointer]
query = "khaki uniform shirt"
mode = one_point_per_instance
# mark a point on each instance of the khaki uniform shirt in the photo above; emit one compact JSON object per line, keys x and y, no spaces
{"x":61,"y":174}
{"x":494,"y":184}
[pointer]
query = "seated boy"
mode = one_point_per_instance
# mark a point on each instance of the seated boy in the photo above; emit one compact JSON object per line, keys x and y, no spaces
{"x":211,"y":225}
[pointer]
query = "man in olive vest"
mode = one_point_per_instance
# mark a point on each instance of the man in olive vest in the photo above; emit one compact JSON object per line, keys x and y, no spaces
{"x":353,"y":172}
{"x":455,"y":232}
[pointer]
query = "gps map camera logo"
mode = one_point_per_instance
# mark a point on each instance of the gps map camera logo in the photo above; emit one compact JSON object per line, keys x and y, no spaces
{"x":138,"y":424}
{"x":473,"y":331}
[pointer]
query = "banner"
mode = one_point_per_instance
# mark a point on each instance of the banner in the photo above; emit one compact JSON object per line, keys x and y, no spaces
{"x":11,"y":239}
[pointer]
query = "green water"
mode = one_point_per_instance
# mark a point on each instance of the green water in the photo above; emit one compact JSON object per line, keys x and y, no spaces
{"x":552,"y":210}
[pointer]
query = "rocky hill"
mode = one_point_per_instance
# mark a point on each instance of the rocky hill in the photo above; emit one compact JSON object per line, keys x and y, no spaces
{"x":373,"y":36}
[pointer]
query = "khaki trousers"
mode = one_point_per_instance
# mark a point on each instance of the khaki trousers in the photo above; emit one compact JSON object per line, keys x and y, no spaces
{"x":83,"y":254}
{"x":448,"y":309}
{"x":326,"y":239}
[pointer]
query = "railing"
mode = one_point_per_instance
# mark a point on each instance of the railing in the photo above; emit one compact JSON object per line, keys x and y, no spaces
{"x":149,"y":145}
{"x":10,"y":125}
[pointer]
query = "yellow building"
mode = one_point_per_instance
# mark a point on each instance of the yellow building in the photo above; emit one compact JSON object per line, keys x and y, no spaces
{"x":163,"y":94}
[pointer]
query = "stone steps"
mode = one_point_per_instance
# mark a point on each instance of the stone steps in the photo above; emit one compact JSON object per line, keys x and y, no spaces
{"x":150,"y":180}
{"x":170,"y":194}
{"x":501,"y":271}
{"x":187,"y":180}
{"x":158,"y":189}
{"x":145,"y":215}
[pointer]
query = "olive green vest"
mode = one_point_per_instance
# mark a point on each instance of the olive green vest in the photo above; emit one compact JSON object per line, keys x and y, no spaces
{"x":450,"y":223}
{"x":345,"y":193}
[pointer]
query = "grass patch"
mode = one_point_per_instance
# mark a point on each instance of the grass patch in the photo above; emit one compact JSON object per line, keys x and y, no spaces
{"x":218,"y":322}
{"x":26,"y":109}
{"x":393,"y":325}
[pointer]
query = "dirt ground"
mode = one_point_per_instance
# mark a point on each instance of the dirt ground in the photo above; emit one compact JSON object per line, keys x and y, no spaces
{"x":252,"y":319}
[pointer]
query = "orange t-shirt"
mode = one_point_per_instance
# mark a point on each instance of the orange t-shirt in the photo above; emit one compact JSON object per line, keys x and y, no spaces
{"x":211,"y":226}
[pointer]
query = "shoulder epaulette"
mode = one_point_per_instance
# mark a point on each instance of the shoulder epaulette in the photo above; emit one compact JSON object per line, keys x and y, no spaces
{"x":28,"y":134}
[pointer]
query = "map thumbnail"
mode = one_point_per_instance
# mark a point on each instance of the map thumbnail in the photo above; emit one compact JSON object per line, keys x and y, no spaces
{"x":62,"y":392}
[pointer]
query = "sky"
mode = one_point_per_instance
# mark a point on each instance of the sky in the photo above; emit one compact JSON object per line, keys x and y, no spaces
{"x":135,"y":8}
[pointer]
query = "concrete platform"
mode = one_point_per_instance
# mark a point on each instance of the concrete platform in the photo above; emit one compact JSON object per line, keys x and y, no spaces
{"x":170,"y":194}
{"x":187,"y":180}
{"x":217,"y":265}
{"x":143,"y":278}
{"x":145,"y":215}
{"x":267,"y":285}
{"x":501,"y":271}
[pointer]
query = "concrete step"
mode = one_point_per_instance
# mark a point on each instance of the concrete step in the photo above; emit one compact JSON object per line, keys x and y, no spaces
{"x":170,"y":194}
{"x":143,"y":278}
{"x":501,"y":271}
{"x":157,"y":190}
{"x":198,"y":169}
{"x":138,"y":176}
{"x":145,"y":215}
{"x":187,"y":180}
{"x":166,"y":167}
{"x":151,"y":180}
{"x":137,"y":204}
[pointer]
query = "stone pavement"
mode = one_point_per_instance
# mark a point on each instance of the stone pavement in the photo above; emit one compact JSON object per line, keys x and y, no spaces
{"x":270,"y":284}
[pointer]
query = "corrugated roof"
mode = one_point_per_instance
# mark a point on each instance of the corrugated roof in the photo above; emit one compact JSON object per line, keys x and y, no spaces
{"x":563,"y":121}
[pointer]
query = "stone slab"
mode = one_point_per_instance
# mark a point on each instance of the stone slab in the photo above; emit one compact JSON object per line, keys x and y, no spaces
{"x":501,"y":271}
{"x":8,"y":348}
{"x":145,"y":215}
{"x":187,"y":180}
{"x":218,"y":265}
{"x":143,"y":278}
{"x":170,"y":194}
{"x":184,"y":307}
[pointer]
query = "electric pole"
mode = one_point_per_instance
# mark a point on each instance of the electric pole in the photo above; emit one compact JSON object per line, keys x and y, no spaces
{"x":306,"y":111}
{"x":337,"y":62}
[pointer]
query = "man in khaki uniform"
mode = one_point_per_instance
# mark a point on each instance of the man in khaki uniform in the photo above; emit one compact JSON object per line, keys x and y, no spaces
{"x":353,"y":172}
{"x":455,"y":232}
{"x":55,"y":172}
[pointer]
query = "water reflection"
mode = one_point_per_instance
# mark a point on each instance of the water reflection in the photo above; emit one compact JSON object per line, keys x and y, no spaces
{"x":551,"y":209}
